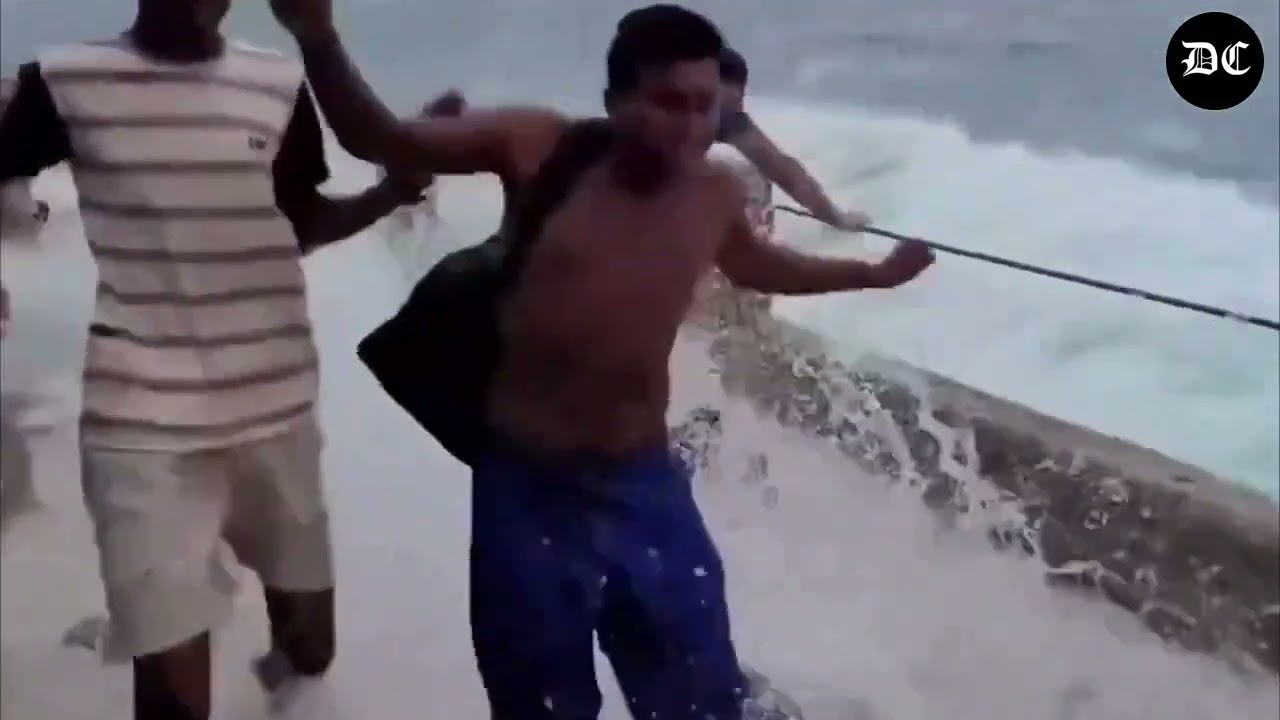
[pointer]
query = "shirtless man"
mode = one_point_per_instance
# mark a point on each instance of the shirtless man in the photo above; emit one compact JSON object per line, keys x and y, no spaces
{"x":197,"y":163}
{"x":582,"y":523}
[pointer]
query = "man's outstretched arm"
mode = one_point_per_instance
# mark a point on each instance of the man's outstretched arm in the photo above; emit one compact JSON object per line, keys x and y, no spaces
{"x":753,"y":262}
{"x":300,"y":169}
{"x":790,"y":175}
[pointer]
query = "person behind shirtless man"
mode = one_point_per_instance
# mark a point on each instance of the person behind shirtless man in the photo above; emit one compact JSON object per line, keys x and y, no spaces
{"x":583,"y":525}
{"x":738,"y":129}
{"x":761,"y":166}
{"x":197,"y":163}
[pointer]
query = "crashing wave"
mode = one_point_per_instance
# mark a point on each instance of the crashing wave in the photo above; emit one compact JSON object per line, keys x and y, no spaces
{"x":1195,"y":557}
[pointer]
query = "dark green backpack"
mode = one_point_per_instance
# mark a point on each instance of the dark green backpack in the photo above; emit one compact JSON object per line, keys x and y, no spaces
{"x":436,"y":357}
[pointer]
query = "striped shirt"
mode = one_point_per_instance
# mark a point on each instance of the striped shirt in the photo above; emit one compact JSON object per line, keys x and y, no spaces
{"x":201,"y":336}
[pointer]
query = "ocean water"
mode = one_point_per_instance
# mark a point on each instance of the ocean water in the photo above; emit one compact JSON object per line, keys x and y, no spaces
{"x":1048,"y":134}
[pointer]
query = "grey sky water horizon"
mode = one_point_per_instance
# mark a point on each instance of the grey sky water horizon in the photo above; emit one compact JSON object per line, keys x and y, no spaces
{"x":1004,"y":70}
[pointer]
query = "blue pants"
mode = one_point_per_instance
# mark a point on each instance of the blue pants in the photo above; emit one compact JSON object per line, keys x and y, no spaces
{"x":564,"y":550}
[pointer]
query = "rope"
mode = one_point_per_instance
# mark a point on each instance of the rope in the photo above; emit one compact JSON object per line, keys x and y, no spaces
{"x":1078,"y":279}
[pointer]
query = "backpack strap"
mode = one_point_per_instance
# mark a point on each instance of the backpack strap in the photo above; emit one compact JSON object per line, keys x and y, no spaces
{"x":579,"y":147}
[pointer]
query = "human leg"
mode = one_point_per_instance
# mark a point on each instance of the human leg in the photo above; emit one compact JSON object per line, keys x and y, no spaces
{"x":534,"y":594}
{"x":169,"y":578}
{"x":664,"y":621}
{"x":279,"y":527}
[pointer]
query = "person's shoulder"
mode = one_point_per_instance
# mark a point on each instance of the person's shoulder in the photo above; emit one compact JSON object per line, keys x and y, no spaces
{"x":721,"y":196}
{"x":102,"y":56}
{"x":530,"y":132}
{"x":28,"y":92}
{"x":264,"y":68}
{"x":723,"y":182}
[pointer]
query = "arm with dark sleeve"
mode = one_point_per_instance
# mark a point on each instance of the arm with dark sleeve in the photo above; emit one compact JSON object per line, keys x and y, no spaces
{"x":33,"y":136}
{"x":298,"y":172}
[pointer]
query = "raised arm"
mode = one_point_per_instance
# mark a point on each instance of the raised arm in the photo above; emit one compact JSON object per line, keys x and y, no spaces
{"x":479,"y":142}
{"x":753,"y":262}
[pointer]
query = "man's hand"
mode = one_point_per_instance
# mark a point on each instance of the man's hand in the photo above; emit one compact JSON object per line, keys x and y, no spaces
{"x":305,"y":19}
{"x":405,"y":187}
{"x":904,"y":264}
{"x":450,"y":103}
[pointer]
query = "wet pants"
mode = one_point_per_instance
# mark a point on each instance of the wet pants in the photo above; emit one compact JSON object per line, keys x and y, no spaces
{"x":569,"y":549}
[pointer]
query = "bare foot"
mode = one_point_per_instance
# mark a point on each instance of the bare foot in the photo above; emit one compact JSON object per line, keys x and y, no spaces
{"x":765,"y":702}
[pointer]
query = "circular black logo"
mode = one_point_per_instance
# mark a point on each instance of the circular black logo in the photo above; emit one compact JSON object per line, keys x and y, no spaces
{"x":1214,"y":61}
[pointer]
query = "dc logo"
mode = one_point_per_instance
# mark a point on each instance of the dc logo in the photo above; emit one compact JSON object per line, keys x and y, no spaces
{"x":1214,"y":61}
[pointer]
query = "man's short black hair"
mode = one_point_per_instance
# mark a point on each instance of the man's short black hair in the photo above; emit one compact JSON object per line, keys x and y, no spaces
{"x":655,"y":37}
{"x":733,"y":67}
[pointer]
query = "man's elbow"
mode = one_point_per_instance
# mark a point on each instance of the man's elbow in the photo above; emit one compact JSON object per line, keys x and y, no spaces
{"x":373,"y":145}
{"x":310,"y":236}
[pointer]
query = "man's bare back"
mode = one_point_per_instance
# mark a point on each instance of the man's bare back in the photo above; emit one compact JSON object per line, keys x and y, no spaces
{"x":590,"y":326}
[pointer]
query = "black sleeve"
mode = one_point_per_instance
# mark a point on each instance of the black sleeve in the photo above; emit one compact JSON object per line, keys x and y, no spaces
{"x":300,"y":166}
{"x":33,"y":136}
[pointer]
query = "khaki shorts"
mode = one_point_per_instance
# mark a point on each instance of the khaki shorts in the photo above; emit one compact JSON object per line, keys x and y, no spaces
{"x":171,"y":526}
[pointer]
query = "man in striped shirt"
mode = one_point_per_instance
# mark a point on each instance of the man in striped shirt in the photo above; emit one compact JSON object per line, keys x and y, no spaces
{"x":197,"y":163}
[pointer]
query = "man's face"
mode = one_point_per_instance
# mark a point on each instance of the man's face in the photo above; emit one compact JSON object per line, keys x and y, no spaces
{"x":674,"y":112}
